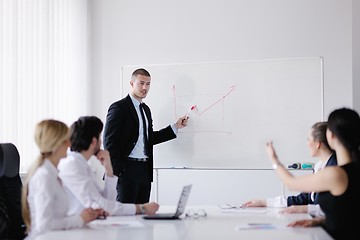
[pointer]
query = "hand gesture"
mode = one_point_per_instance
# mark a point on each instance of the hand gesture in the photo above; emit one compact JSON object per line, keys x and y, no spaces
{"x":295,"y":209}
{"x":151,"y":208}
{"x":254,"y":203}
{"x":271,"y":151}
{"x":307,"y":222}
{"x":181,"y":122}
{"x":89,"y":214}
{"x":104,"y":157}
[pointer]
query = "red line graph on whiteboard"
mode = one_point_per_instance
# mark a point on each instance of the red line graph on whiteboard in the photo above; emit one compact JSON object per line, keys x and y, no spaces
{"x":200,"y":110}
{"x":232,"y":88}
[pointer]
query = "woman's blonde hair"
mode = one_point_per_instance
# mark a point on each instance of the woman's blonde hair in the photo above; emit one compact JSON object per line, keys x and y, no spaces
{"x":49,"y":135}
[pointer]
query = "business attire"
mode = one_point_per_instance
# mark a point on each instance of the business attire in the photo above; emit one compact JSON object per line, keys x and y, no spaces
{"x":343,"y":211}
{"x":310,"y":199}
{"x":131,"y":157}
{"x":83,"y":191}
{"x":48,"y":202}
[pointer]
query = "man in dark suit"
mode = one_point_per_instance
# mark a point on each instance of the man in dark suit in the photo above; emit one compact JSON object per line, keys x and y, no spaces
{"x":131,"y":144}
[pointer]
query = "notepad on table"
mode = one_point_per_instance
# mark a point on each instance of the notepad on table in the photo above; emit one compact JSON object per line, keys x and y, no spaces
{"x":114,"y":222}
{"x":244,"y":210}
{"x":257,"y":226}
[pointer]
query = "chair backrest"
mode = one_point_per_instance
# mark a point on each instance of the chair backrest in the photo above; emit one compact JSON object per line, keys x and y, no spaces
{"x":10,"y":193}
{"x":9,"y":160}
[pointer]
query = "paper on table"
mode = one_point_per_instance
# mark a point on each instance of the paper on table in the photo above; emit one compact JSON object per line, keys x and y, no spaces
{"x":244,"y":210}
{"x":114,"y":222}
{"x":258,"y":226}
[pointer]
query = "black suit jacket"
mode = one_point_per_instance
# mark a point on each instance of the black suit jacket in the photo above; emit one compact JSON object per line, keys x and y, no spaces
{"x":305,"y":198}
{"x":122,"y":132}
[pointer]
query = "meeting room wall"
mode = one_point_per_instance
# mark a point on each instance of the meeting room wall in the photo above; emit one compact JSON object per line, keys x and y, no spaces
{"x":356,"y":54}
{"x":137,"y":32}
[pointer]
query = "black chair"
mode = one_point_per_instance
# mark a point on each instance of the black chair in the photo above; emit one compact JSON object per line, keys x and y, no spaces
{"x":11,"y":221}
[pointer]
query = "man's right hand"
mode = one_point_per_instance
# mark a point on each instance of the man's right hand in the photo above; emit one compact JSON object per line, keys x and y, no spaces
{"x":104,"y":157}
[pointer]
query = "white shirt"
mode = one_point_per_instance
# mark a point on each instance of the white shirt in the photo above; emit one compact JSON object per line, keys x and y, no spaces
{"x":138,"y":150}
{"x":48,"y":202}
{"x":83,"y":191}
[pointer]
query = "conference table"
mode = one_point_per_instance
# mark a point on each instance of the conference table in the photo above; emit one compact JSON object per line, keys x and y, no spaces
{"x":220,"y":222}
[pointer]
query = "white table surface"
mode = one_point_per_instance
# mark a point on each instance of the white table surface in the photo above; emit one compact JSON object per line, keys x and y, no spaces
{"x":217,"y":225}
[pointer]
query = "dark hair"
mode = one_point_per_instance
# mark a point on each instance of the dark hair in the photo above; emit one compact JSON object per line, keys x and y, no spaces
{"x":141,"y":72}
{"x":344,"y":123}
{"x":319,"y":133}
{"x":83,"y":131}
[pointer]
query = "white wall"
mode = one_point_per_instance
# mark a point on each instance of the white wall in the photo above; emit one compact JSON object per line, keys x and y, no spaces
{"x":133,"y":32}
{"x":356,"y":53}
{"x":214,"y":187}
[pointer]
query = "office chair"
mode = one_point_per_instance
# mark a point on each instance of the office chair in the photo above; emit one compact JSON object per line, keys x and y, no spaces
{"x":12,"y":224}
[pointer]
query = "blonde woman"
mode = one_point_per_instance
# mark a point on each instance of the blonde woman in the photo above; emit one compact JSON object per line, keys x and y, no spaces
{"x":44,"y":200}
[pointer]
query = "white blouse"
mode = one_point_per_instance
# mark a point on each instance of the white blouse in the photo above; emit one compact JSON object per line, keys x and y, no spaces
{"x":48,"y":202}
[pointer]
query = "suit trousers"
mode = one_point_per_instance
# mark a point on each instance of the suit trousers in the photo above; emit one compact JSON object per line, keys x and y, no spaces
{"x":134,"y":184}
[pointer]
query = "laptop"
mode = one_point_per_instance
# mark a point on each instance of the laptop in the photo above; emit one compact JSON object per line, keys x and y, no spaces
{"x":180,"y":207}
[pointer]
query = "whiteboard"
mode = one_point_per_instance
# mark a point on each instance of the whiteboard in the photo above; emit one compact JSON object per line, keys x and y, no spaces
{"x":239,"y":107}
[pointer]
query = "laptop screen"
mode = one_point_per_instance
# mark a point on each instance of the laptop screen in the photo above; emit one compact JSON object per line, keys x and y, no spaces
{"x":183,"y":200}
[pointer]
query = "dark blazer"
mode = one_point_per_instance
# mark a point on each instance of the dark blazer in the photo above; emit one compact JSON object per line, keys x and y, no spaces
{"x":305,"y":198}
{"x":122,"y":131}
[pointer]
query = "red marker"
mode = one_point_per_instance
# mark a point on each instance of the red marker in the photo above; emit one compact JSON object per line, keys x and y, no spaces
{"x":191,"y":109}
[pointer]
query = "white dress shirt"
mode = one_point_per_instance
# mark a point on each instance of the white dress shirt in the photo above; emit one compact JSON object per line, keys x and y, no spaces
{"x":83,"y":191}
{"x":138,"y":150}
{"x":48,"y":202}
